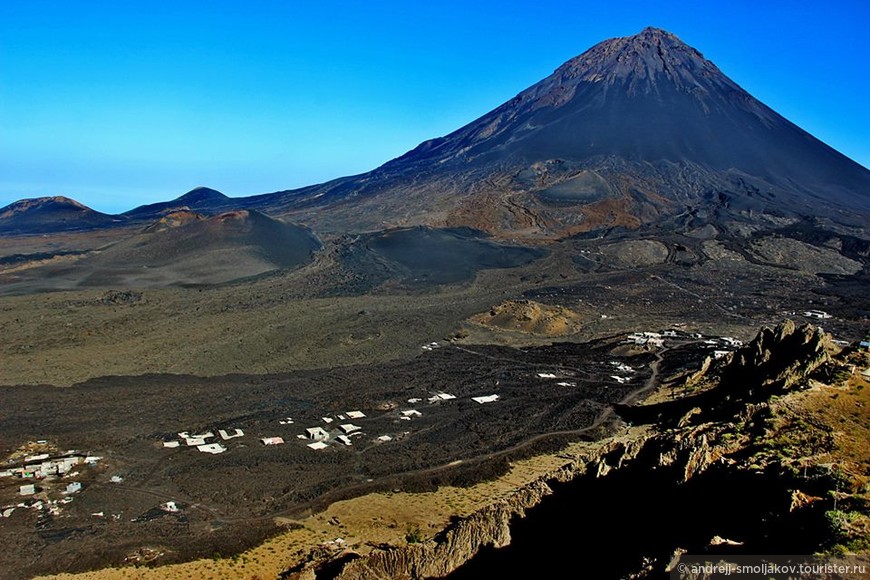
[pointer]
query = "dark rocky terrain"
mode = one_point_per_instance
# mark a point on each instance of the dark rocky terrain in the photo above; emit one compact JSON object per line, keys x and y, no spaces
{"x":125,"y":420}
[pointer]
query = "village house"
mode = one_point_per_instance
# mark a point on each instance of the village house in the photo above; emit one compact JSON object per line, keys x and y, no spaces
{"x":818,"y":314}
{"x":227,"y":436}
{"x":317,"y":434}
{"x":486,"y":399}
{"x":213,"y":448}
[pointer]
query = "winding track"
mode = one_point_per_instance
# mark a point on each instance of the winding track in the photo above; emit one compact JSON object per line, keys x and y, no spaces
{"x":322,"y":501}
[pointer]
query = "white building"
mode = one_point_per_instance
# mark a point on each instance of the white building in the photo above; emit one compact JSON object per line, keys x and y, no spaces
{"x":227,"y":436}
{"x":318,"y":445}
{"x":345,"y":439}
{"x":213,"y":448}
{"x":486,"y":399}
{"x":443,"y":397}
{"x":29,"y":489}
{"x":317,"y":434}
{"x":622,"y":367}
{"x":820,"y":314}
{"x":272,"y":440}
{"x":349,"y":428}
{"x":355,"y":414}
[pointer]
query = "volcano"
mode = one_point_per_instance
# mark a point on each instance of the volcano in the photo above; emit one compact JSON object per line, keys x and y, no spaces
{"x":181,"y":249}
{"x":632,"y":131}
{"x":56,"y":213}
{"x":201,"y":199}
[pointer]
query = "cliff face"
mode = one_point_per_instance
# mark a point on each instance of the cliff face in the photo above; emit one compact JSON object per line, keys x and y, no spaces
{"x":780,"y":357}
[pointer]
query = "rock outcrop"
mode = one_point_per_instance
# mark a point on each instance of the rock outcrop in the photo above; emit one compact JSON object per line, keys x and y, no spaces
{"x":769,"y":365}
{"x":530,"y":317}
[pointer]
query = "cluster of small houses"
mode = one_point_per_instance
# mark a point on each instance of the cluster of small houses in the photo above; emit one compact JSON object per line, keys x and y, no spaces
{"x":42,"y":467}
{"x":618,"y":366}
{"x":341,"y":428}
{"x":201,"y":443}
{"x":657,"y":339}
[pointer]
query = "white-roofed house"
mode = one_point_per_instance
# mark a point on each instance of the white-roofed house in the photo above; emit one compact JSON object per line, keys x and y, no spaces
{"x":317,"y":433}
{"x":213,"y":448}
{"x":486,"y":399}
{"x":225,"y":435}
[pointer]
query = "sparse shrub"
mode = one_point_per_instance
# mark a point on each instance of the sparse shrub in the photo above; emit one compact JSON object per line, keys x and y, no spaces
{"x":414,"y":535}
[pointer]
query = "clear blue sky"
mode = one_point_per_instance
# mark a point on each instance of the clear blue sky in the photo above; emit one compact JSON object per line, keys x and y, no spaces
{"x":117,"y":104}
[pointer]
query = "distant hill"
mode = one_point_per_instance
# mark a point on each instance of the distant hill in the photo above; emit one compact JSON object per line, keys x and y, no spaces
{"x":200,"y":199}
{"x":52,"y":214}
{"x":182,"y":249}
{"x":205,"y":251}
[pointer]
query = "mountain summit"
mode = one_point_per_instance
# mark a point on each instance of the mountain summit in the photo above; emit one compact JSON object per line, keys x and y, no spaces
{"x":202,"y":199}
{"x":633,"y":130}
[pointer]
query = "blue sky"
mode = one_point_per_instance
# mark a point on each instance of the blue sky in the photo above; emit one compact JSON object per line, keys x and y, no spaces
{"x":117,"y":104}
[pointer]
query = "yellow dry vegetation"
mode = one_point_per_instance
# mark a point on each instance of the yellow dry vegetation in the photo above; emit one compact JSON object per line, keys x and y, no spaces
{"x":530,"y":317}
